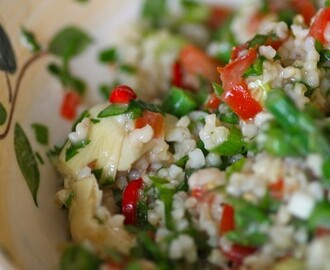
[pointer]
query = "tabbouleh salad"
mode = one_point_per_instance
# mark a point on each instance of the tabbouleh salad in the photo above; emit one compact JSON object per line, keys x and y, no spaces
{"x":225,"y":162}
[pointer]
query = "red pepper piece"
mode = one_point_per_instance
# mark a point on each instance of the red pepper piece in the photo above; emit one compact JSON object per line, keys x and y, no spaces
{"x":122,"y":94}
{"x":130,"y":201}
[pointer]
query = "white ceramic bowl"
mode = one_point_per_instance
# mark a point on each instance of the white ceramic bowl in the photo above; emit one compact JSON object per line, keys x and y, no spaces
{"x":30,"y":236}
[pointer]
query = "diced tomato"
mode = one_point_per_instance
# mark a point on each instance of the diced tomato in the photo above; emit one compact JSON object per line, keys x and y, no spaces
{"x":130,"y":201}
{"x":276,"y":189}
{"x":196,"y":62}
{"x":236,"y":94}
{"x":70,"y":103}
{"x":237,"y":50}
{"x":319,"y":25}
{"x":232,"y":73}
{"x":305,"y":8}
{"x":122,"y":94}
{"x":238,"y":253}
{"x":217,"y":16}
{"x":213,"y":102}
{"x":241,"y":102}
{"x":227,"y":222}
{"x":153,"y":119}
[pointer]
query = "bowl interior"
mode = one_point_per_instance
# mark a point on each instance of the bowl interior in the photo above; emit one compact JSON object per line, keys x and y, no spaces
{"x":31,"y":235}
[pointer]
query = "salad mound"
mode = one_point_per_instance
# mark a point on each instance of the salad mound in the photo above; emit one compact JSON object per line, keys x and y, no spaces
{"x":227,"y":164}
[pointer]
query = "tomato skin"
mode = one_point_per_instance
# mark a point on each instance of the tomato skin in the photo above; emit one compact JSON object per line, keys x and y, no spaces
{"x":232,"y":73}
{"x":227,"y":223}
{"x":196,"y":62}
{"x":238,"y":253}
{"x":305,"y":8}
{"x":122,"y":94}
{"x":70,"y":103}
{"x":153,"y":119}
{"x":130,"y":200}
{"x":241,"y":102}
{"x":236,"y":94}
{"x":319,"y":25}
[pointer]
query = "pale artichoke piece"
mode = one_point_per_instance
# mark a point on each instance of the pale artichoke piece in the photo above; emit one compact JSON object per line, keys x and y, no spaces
{"x":104,"y":148}
{"x":85,"y":224}
{"x":135,"y":144}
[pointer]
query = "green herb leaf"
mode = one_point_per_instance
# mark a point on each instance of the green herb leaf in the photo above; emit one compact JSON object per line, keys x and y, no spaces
{"x":67,"y":79}
{"x":26,"y":161}
{"x":97,"y":173}
{"x":182,"y":161}
{"x":286,"y":15}
{"x":69,"y":42}
{"x":235,"y":167}
{"x":3,"y":114}
{"x":95,"y":121}
{"x":41,"y":133}
{"x":113,"y":109}
{"x":256,"y":68}
{"x":7,"y":55}
{"x":74,"y":149}
{"x":134,"y":109}
{"x":109,"y":55}
{"x":81,"y":117}
{"x":77,"y":257}
{"x":234,"y":144}
{"x":324,"y":61}
{"x":179,"y":102}
{"x":146,"y":106}
{"x":218,"y":90}
{"x":257,"y":40}
{"x":30,"y":40}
